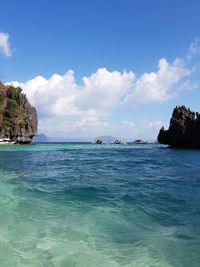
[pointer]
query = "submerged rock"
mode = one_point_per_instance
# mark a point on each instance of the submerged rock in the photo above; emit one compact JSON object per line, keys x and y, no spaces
{"x":184,"y":129}
{"x":18,"y":119}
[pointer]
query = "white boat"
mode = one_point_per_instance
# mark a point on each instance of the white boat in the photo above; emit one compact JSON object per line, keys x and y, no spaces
{"x":6,"y":141}
{"x":119,"y":142}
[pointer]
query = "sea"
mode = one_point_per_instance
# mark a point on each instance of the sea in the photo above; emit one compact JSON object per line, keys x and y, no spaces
{"x":94,"y":205}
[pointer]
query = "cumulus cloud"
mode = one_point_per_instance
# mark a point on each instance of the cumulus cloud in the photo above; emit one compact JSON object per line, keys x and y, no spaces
{"x":4,"y":44}
{"x":65,"y":107}
{"x":158,"y":86}
{"x":62,"y":96}
{"x":104,"y":89}
{"x":86,"y":106}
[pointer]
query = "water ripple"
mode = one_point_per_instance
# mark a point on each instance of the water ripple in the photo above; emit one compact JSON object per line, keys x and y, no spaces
{"x":90,"y":205}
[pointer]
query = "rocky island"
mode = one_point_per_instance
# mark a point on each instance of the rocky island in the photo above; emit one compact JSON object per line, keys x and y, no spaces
{"x":18,"y":119}
{"x":184,"y":129}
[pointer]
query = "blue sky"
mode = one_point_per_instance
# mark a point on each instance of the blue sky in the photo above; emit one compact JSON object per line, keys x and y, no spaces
{"x":52,"y":37}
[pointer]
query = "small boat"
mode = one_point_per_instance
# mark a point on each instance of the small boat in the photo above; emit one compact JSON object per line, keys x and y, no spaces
{"x":99,"y":141}
{"x":6,"y":141}
{"x":139,"y":142}
{"x":119,"y":142}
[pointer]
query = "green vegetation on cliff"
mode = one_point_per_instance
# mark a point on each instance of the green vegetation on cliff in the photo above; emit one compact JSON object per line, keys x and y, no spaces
{"x":18,"y":120}
{"x":13,"y":114}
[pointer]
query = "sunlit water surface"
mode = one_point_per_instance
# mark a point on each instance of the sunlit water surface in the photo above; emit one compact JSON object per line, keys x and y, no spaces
{"x":99,"y":205}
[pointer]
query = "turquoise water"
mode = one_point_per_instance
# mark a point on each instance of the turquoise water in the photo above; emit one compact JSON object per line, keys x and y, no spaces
{"x":99,"y":205}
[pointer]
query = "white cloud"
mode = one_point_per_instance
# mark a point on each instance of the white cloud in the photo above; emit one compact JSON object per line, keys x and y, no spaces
{"x":4,"y":44}
{"x":104,"y":89}
{"x":194,"y":49}
{"x":68,"y":109}
{"x":188,"y":86}
{"x":158,"y":86}
{"x":86,"y":107}
{"x":155,"y":125}
{"x":129,"y":123}
{"x":61,"y":96}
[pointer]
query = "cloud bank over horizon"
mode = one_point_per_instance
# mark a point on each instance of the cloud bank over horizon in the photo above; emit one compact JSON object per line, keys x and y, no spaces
{"x":67,"y":108}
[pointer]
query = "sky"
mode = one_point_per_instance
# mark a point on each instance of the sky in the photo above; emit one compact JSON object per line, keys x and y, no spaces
{"x":109,"y":67}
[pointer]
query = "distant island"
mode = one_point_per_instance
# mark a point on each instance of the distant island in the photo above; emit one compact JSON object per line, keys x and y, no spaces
{"x":184,"y":129}
{"x":18,"y":119}
{"x":41,"y":138}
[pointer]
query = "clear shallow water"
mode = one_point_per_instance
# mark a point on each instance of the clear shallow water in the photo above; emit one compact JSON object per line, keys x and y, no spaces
{"x":99,"y":205}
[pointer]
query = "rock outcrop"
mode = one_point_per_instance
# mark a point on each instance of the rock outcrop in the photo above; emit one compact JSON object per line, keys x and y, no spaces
{"x":184,"y":129}
{"x":18,"y":119}
{"x":99,"y":142}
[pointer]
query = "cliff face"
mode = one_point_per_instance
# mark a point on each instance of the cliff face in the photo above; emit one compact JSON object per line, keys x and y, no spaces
{"x":18,"y":119}
{"x":184,"y":129}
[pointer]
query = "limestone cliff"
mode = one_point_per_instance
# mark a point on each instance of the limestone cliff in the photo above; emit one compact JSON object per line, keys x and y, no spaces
{"x":184,"y":129}
{"x":18,"y":119}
